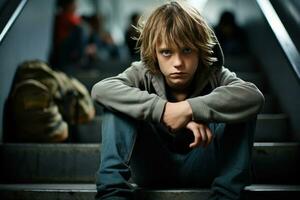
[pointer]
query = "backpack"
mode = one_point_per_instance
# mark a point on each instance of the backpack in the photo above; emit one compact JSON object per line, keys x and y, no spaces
{"x":43,"y":104}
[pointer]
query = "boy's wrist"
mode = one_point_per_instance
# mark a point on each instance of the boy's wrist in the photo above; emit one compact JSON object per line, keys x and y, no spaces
{"x":188,"y":109}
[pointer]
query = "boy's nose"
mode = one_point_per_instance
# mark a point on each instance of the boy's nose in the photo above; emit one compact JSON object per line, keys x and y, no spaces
{"x":177,"y":60}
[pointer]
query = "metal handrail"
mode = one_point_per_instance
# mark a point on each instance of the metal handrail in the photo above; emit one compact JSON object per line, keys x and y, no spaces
{"x":281,"y":34}
{"x":12,"y":19}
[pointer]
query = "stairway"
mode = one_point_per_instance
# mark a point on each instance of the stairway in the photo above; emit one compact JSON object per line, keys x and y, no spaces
{"x":273,"y":151}
{"x":67,"y":171}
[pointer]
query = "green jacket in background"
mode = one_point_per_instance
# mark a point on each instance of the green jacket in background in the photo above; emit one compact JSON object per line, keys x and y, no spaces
{"x":43,"y":103}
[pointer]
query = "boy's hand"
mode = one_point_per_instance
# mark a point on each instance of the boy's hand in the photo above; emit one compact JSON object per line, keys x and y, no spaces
{"x":202,"y":134}
{"x":177,"y":115}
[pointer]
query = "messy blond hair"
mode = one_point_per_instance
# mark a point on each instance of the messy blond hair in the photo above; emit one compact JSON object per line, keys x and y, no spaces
{"x":178,"y":25}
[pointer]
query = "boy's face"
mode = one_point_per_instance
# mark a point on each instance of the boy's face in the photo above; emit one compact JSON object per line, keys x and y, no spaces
{"x":178,"y":65}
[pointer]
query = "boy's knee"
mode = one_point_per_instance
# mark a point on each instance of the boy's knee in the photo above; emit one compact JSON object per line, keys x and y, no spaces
{"x":116,"y":118}
{"x":114,"y":123}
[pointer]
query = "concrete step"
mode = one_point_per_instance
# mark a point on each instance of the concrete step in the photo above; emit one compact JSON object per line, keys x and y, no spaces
{"x":269,"y":128}
{"x":254,"y":77}
{"x":78,"y":163}
{"x":272,"y":128}
{"x":88,"y":191}
{"x":47,"y":191}
{"x":272,"y":192}
{"x":276,"y":162}
{"x":91,"y":77}
{"x":100,"y":70}
{"x":49,"y":162}
{"x":240,"y":63}
{"x":89,"y":132}
{"x":271,"y":105}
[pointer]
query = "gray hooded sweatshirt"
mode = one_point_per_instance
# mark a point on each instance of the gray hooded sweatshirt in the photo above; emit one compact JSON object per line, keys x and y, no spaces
{"x":141,"y":94}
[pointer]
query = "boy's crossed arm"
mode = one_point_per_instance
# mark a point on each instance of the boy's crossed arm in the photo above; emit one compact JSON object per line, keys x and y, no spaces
{"x":179,"y":115}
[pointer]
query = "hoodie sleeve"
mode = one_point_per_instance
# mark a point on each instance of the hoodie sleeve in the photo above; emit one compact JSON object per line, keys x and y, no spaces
{"x":125,"y":93}
{"x":234,"y":100}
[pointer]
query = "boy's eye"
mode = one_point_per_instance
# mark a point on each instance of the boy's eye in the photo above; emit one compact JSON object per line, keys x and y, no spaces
{"x":187,"y":50}
{"x":166,"y":53}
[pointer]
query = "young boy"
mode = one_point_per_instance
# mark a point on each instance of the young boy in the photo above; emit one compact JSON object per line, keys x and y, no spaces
{"x":177,"y":118}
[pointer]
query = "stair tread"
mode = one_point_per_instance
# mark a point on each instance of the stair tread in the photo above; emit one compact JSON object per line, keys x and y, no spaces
{"x":272,"y":187}
{"x":89,"y":146}
{"x":272,"y":116}
{"x":276,"y":144}
{"x":83,"y":187}
{"x":96,"y":145}
{"x":50,"y":187}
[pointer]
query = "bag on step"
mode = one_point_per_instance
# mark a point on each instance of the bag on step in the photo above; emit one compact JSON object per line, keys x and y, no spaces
{"x":42,"y":103}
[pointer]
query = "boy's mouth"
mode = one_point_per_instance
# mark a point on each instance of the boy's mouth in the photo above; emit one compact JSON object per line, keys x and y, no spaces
{"x":178,"y":75}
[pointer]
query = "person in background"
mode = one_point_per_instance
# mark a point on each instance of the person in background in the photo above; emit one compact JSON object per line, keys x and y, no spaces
{"x":177,"y":118}
{"x":68,"y":41}
{"x":231,"y":36}
{"x":100,"y":44}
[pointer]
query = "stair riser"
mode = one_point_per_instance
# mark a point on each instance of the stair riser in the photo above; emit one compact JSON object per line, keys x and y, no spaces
{"x":267,"y":130}
{"x":44,"y":195}
{"x":270,"y":106}
{"x":61,"y":164}
{"x":272,"y":195}
{"x":89,"y":132}
{"x":277,"y":165}
{"x":271,"y":130}
{"x":173,"y":195}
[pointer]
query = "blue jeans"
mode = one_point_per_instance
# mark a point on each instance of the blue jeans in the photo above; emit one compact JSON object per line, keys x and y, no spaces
{"x":146,"y":153}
